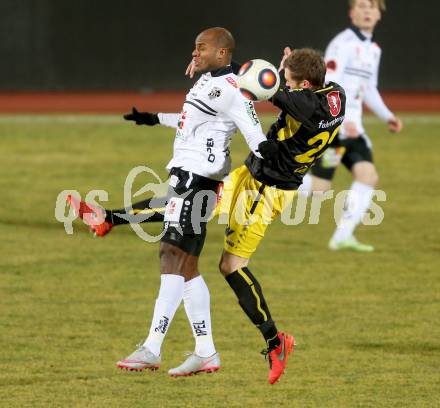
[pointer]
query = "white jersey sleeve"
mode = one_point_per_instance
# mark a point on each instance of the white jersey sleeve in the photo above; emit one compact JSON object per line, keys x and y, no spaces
{"x":373,"y":99}
{"x":376,"y":104}
{"x":242,"y":112}
{"x":168,"y":119}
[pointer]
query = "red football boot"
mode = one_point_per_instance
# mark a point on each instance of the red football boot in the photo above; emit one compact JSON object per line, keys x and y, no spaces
{"x":278,"y":357}
{"x":101,"y":229}
{"x":92,"y":216}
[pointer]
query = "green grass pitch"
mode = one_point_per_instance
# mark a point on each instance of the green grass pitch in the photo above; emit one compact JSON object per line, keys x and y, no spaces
{"x":367,"y":325}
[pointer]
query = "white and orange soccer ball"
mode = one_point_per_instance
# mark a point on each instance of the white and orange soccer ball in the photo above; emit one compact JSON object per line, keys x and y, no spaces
{"x":258,"y":80}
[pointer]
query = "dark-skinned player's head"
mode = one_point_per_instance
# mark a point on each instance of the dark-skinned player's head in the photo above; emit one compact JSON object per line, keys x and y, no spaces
{"x":305,"y":68}
{"x":213,"y":49}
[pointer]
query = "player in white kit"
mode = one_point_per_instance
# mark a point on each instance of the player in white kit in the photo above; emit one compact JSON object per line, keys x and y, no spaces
{"x":213,"y":111}
{"x":352,"y":59}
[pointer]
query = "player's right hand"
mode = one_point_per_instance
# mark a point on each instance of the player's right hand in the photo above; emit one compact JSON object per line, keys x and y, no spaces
{"x":190,"y":69}
{"x":286,"y":52}
{"x":142,"y":118}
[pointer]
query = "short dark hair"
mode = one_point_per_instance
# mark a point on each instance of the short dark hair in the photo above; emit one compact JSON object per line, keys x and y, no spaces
{"x":307,"y":63}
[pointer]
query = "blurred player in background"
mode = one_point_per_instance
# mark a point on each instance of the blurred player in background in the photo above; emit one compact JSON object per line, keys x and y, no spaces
{"x":352,"y":60}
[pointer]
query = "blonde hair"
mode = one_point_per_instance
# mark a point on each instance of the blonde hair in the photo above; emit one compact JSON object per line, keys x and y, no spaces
{"x":379,"y":3}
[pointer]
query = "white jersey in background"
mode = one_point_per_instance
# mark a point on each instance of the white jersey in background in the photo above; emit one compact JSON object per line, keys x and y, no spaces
{"x":353,"y":61}
{"x":213,"y":110}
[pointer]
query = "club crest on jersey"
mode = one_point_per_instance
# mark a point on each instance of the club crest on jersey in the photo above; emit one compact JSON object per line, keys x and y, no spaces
{"x":334,"y":102}
{"x":215,"y":93}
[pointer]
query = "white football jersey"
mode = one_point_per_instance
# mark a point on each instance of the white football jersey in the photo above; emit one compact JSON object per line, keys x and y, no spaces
{"x":353,"y":61}
{"x":213,"y":110}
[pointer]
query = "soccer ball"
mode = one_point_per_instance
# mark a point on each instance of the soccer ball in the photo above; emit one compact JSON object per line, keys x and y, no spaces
{"x":258,"y":80}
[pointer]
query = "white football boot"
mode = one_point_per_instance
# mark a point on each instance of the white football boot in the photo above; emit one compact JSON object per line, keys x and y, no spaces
{"x":195,"y":364}
{"x":139,"y":360}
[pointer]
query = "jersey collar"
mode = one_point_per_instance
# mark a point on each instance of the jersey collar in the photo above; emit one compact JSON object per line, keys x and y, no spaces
{"x":359,"y":34}
{"x":227,"y":69}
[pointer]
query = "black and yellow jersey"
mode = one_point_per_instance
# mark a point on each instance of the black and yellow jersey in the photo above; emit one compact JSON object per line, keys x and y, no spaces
{"x":308,"y":122}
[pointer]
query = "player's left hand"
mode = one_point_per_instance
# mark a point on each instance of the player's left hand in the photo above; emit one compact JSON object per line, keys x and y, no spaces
{"x":286,"y":52}
{"x":268,"y":150}
{"x":395,"y":125}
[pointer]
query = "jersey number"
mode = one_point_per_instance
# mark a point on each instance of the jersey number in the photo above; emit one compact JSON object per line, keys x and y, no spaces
{"x":311,"y":155}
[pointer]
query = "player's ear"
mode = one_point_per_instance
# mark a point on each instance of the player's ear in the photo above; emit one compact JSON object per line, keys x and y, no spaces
{"x":222,"y":52}
{"x":306,"y":84}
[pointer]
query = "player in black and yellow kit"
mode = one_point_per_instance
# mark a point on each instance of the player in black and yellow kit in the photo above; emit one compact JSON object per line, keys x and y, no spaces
{"x":310,"y":118}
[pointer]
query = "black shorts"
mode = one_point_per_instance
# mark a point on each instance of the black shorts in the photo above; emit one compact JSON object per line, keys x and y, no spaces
{"x":190,"y":201}
{"x":352,"y":151}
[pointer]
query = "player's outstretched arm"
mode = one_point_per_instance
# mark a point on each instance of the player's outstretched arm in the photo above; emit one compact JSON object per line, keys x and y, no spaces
{"x":151,"y":119}
{"x":375,"y":103}
{"x":142,"y":118}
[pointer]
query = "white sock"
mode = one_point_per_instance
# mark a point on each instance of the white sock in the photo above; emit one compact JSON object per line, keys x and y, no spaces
{"x":357,"y":203}
{"x":196,"y":300}
{"x":167,"y":302}
{"x":306,"y":187}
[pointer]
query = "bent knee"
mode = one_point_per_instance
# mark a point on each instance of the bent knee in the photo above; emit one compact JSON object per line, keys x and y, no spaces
{"x":230,"y":263}
{"x":223,"y":267}
{"x":365,"y":172}
{"x":320,"y":185}
{"x":370,"y":178}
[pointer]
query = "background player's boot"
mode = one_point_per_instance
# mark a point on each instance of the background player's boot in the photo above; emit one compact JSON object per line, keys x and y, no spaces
{"x":351,"y":244}
{"x":139,"y":360}
{"x":278,"y":357}
{"x":195,"y":364}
